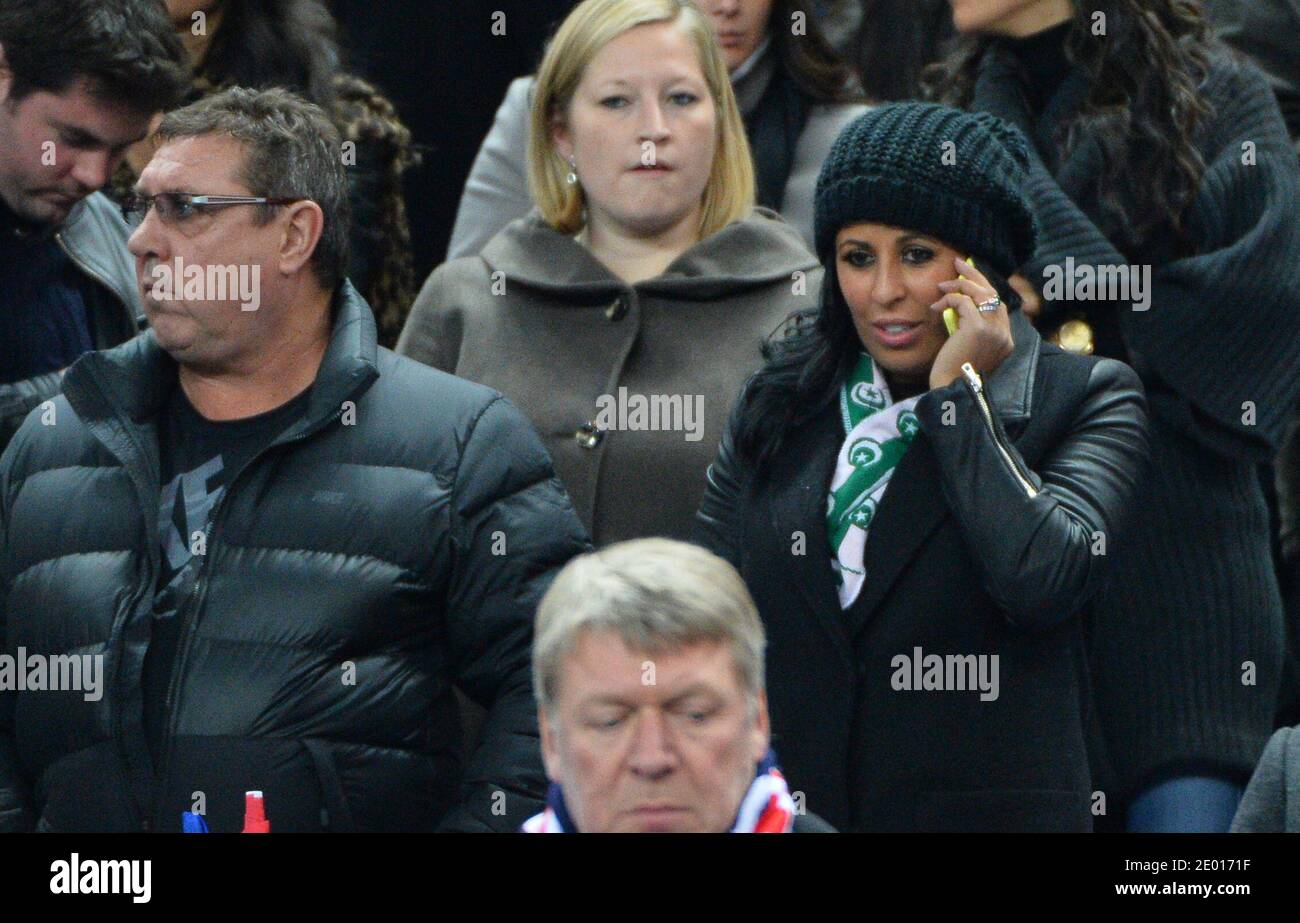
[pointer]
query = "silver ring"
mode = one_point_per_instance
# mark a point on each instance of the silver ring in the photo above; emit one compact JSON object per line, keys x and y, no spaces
{"x":988,"y":307}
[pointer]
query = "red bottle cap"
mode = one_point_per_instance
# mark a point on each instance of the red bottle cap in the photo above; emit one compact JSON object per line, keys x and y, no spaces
{"x":255,"y":814}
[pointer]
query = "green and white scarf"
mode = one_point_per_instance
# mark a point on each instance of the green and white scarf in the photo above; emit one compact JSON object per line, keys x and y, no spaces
{"x":877,"y":434}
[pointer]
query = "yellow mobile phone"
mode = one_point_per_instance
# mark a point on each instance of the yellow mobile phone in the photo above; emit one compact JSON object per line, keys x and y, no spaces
{"x":950,"y":314}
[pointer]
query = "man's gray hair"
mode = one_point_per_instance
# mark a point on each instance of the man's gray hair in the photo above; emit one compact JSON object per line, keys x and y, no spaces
{"x":293,"y":151}
{"x":658,"y":596}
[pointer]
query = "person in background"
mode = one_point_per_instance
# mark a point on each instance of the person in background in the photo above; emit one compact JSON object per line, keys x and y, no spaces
{"x":1161,"y":162}
{"x":293,"y":44}
{"x":290,"y":543}
{"x":444,"y":64}
{"x":648,"y":674}
{"x":839,"y":21}
{"x":794,"y":94}
{"x":625,"y":312}
{"x":895,"y":495}
{"x":79,"y":83}
{"x":888,"y":42}
{"x":1271,"y":803}
{"x":1265,"y":31}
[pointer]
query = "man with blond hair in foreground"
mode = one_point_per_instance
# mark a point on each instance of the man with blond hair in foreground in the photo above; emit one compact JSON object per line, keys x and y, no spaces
{"x":648,"y":672}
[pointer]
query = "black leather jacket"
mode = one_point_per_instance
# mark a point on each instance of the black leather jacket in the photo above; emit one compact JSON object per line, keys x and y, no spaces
{"x":988,"y":540}
{"x":1032,"y":525}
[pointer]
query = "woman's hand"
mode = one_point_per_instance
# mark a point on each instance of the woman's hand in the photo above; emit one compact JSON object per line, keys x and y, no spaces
{"x":982,"y":339}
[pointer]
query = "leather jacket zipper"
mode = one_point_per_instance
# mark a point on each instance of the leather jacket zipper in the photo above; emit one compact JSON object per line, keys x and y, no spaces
{"x":977,"y":387}
{"x":120,"y":716}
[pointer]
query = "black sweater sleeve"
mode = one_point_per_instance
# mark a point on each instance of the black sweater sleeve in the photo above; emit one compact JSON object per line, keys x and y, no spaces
{"x":1219,"y":343}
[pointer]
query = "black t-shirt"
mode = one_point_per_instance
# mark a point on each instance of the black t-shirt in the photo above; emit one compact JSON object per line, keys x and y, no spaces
{"x":199,"y":457}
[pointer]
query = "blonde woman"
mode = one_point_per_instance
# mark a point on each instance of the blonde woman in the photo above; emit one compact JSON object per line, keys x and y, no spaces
{"x":794,"y":92}
{"x":625,"y":312}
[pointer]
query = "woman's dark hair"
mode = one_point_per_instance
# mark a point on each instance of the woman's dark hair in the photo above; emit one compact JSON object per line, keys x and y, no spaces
{"x":1143,"y":108}
{"x":895,"y":42}
{"x":809,"y":58}
{"x":269,"y":43}
{"x":807,"y":360}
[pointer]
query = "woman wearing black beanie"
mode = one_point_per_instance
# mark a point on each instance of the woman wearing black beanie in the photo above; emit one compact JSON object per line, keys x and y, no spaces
{"x":925,"y":659}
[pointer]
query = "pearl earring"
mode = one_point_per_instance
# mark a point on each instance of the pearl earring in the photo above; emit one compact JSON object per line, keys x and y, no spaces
{"x":572,"y":178}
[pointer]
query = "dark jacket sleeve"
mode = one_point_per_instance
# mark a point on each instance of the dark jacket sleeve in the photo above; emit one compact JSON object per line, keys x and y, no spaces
{"x":1264,"y":31}
{"x":19,"y":398}
{"x":811,"y":823}
{"x":1263,"y":807}
{"x":513,"y":527}
{"x":716,"y":521}
{"x":1041,"y":555}
{"x":17,"y":810}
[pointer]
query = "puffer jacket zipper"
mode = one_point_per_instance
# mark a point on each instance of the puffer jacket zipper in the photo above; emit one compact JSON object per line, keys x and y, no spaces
{"x":149,"y":508}
{"x":999,"y":438}
{"x":198,"y":596}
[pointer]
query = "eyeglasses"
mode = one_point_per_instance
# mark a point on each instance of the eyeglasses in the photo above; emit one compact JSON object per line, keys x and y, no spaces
{"x":175,"y":207}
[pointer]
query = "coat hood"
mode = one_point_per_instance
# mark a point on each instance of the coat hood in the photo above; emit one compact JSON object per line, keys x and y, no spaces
{"x":750,"y":253}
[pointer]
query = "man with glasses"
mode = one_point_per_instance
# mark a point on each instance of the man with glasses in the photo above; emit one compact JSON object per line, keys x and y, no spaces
{"x":290,"y":544}
{"x":79,"y":82}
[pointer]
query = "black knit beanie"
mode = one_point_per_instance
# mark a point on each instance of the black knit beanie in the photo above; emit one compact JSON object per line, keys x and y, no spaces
{"x":894,"y":165}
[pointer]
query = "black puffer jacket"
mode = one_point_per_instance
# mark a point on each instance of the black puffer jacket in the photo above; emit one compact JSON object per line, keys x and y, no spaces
{"x":412,"y":543}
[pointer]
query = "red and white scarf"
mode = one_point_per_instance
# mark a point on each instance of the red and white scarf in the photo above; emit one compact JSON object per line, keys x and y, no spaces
{"x":766,"y":808}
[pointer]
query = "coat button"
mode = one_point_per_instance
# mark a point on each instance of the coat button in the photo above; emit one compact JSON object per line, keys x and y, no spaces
{"x":617,"y":311}
{"x":589,"y":435}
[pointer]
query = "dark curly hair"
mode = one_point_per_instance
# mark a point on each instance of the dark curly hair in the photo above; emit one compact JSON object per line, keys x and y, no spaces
{"x":1143,"y":108}
{"x":895,"y":42}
